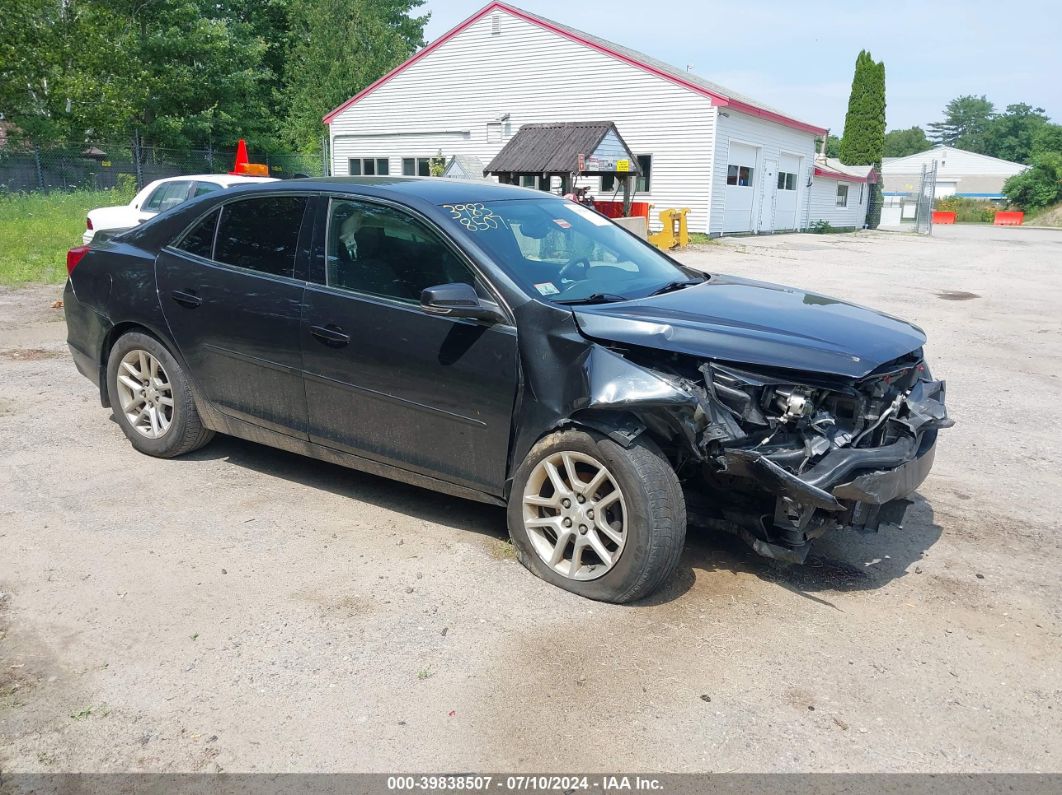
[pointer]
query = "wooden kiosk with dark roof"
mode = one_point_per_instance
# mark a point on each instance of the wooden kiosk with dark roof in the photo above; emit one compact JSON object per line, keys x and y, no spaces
{"x":567,"y":150}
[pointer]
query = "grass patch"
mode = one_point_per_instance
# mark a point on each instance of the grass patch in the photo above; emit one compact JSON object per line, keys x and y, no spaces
{"x":701,"y":239}
{"x":36,"y":229}
{"x":502,"y":549}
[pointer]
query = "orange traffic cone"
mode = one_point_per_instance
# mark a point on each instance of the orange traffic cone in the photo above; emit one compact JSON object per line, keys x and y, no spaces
{"x":239,"y":167}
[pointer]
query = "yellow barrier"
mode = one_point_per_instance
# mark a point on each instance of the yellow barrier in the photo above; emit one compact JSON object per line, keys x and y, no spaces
{"x":675,"y":233}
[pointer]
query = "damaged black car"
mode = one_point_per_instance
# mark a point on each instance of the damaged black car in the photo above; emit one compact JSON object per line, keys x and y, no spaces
{"x":512,"y":347}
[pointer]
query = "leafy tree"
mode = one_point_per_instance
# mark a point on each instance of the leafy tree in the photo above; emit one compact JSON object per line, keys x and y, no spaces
{"x":1040,"y":186}
{"x":338,"y":47}
{"x":900,"y":143}
{"x":863,"y":142}
{"x":1010,"y":135}
{"x":966,"y":122}
{"x":1047,"y":139}
{"x":833,"y":146}
{"x":35,"y":38}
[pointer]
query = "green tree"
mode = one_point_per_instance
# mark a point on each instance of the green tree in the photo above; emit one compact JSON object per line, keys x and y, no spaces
{"x":1038,"y":187}
{"x":35,"y":39}
{"x":863,"y":142}
{"x":181,"y":72}
{"x":1047,"y":139}
{"x":833,"y":146}
{"x":1010,"y":135}
{"x":1041,"y":185}
{"x":338,"y":47}
{"x":900,"y":143}
{"x":965,"y":125}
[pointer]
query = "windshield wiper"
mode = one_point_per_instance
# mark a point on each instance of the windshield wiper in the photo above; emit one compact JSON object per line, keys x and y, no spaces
{"x":670,"y":287}
{"x":595,"y":298}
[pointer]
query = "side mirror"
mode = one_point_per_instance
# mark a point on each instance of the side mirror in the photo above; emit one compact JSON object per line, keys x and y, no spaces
{"x":458,"y":300}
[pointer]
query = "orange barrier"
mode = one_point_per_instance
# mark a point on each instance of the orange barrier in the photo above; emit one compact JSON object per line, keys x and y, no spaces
{"x":615,"y":209}
{"x":942,"y":217}
{"x":1009,"y":218}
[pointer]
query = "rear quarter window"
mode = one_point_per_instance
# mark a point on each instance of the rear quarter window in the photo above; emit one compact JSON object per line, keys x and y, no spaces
{"x":199,"y":240}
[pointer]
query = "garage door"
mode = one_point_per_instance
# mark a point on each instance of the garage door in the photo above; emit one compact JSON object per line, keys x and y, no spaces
{"x":740,"y":187}
{"x":788,"y":184}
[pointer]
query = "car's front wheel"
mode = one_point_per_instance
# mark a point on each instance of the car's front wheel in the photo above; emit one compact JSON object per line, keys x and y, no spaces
{"x":152,"y":398}
{"x":598,"y":519}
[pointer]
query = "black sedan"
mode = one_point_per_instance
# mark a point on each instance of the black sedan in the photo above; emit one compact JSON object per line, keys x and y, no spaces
{"x":508,"y":346}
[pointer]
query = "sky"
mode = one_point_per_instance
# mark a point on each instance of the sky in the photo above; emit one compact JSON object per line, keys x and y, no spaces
{"x":798,"y":56}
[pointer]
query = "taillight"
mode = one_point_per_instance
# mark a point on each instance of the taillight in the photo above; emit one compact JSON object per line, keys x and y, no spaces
{"x":74,"y":256}
{"x":88,"y":222}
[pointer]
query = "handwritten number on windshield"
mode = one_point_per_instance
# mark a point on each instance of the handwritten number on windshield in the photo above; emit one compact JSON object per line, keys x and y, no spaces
{"x":474,"y":216}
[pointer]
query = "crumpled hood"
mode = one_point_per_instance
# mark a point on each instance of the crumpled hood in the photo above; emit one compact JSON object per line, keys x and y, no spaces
{"x":744,"y":321}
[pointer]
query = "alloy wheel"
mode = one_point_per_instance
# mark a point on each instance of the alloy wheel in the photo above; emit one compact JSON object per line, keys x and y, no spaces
{"x":575,"y":515}
{"x":145,"y":393}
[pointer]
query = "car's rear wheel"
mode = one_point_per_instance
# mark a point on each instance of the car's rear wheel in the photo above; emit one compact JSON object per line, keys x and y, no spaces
{"x":152,"y":398}
{"x":598,"y":519}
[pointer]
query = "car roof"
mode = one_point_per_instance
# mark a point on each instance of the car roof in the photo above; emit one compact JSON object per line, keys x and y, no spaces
{"x":433,"y":190}
{"x":218,"y":179}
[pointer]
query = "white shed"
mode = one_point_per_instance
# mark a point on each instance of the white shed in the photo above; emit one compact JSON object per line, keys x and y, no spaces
{"x":840,"y":193}
{"x":738,"y":165}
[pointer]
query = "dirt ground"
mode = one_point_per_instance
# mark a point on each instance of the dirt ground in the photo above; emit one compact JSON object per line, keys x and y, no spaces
{"x":243,"y":609}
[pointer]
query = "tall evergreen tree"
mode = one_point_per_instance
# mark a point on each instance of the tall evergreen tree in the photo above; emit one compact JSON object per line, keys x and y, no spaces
{"x":863,"y":141}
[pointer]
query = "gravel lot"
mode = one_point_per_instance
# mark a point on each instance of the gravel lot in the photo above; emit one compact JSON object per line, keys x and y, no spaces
{"x":243,"y":609}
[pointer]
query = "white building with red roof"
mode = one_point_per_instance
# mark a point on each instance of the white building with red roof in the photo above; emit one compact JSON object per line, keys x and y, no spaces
{"x":737,"y":164}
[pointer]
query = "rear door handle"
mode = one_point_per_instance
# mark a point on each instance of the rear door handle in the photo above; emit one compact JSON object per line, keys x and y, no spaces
{"x":187,"y":298}
{"x":331,"y":335}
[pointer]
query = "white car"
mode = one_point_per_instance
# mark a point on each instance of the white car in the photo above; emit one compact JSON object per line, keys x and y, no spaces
{"x":156,"y":197}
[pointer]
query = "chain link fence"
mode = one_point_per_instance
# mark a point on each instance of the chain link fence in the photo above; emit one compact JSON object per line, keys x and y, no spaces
{"x":912,"y":210}
{"x":130,"y":167}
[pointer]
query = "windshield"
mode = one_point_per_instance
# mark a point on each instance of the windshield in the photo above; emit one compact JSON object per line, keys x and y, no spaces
{"x":567,"y":253}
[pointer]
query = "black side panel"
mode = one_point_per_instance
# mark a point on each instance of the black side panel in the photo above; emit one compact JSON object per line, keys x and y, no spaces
{"x":238,"y":332}
{"x":423,"y":392}
{"x":113,"y":284}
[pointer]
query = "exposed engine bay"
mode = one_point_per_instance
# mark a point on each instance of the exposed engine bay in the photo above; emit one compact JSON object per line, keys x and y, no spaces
{"x":780,"y":457}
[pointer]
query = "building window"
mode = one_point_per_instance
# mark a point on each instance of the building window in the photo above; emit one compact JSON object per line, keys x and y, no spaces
{"x":842,"y":195}
{"x":528,"y":181}
{"x":416,"y":166}
{"x":369,"y":166}
{"x":641,"y":185}
{"x":786,"y":180}
{"x":739,"y":175}
{"x":862,"y":185}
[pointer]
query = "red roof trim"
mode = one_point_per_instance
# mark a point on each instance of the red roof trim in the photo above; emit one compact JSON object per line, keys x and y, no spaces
{"x":837,"y":175}
{"x":718,"y":99}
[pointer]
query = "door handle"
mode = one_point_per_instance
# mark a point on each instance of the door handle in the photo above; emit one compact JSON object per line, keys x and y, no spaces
{"x":331,"y":335}
{"x":187,"y":298}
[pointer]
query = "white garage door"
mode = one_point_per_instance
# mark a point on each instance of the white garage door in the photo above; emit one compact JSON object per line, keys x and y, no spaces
{"x":740,"y":187}
{"x":788,"y":185}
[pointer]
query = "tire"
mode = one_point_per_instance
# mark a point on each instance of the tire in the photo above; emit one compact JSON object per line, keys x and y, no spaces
{"x":651,"y":503}
{"x":176,"y":428}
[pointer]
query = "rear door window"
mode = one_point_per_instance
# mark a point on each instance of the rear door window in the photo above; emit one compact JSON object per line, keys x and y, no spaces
{"x":261,"y":234}
{"x":167,"y":195}
{"x":199,"y":240}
